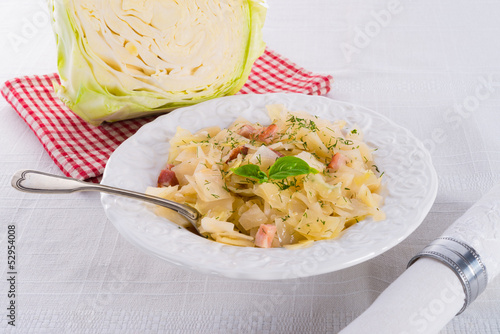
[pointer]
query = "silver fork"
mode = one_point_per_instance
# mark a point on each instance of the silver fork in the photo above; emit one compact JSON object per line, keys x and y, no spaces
{"x":38,"y":182}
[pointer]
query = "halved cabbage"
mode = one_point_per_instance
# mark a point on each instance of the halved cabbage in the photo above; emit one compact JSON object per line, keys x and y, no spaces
{"x":121,"y":59}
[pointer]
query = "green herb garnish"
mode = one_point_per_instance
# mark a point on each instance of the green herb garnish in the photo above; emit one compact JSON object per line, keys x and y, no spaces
{"x":251,"y":171}
{"x":283,"y":167}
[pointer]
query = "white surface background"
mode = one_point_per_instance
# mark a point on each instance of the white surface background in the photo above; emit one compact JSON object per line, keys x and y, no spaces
{"x":424,"y":69}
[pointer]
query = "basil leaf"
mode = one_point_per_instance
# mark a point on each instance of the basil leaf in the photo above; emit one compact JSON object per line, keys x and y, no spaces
{"x":251,"y":171}
{"x":281,"y":169}
{"x":289,"y":166}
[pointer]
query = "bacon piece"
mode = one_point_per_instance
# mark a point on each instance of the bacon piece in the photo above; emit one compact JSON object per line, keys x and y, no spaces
{"x":267,"y":134}
{"x":167,"y":177}
{"x":338,"y":161}
{"x":243,"y":150}
{"x":265,"y":235}
{"x":247,"y":131}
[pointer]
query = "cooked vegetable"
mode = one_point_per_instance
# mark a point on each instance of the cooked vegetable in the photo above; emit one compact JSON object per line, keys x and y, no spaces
{"x":121,"y":59}
{"x":278,"y":191}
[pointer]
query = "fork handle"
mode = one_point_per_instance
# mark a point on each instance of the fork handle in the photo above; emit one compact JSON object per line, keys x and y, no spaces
{"x":39,"y":182}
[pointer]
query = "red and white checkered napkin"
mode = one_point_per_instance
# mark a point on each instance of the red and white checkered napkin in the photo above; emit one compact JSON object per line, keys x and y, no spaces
{"x":81,"y":150}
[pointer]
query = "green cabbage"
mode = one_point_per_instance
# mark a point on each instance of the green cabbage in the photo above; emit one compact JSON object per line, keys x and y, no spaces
{"x":121,"y":59}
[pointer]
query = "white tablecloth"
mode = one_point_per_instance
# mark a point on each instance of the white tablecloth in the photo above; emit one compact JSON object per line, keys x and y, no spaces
{"x":431,"y":66}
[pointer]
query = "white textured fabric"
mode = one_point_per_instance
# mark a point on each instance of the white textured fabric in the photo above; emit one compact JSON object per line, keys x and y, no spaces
{"x":422,"y":300}
{"x":431,"y":66}
{"x":429,"y":294}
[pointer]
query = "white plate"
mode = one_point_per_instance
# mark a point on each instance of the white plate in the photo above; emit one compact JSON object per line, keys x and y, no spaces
{"x":410,"y":189}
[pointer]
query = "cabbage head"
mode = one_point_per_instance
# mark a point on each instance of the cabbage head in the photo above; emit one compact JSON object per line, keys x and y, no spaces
{"x":121,"y":59}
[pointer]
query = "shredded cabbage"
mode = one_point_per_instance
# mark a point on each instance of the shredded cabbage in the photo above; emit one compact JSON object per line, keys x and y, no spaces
{"x":344,"y":190}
